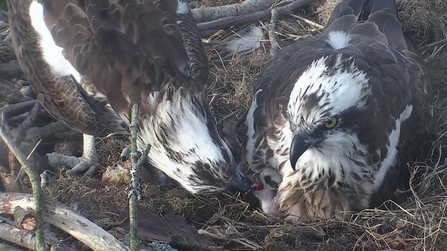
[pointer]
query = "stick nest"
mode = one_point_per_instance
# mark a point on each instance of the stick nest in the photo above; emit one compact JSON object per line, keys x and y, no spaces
{"x":417,"y":224}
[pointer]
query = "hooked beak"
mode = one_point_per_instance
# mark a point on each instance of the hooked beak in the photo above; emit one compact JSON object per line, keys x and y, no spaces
{"x":300,"y":144}
{"x":241,"y":183}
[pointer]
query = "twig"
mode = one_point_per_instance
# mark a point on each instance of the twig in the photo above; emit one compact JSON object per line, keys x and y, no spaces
{"x":224,"y":237}
{"x":34,"y":178}
{"x":236,"y":20}
{"x":272,"y":38}
{"x":319,"y":26}
{"x":442,"y":41}
{"x":212,"y":235}
{"x":133,"y":199}
{"x":135,"y":191}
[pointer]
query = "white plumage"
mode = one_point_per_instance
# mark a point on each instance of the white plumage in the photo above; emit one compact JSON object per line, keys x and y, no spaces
{"x":339,"y":115}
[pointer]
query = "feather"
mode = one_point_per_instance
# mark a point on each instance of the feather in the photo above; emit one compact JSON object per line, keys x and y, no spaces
{"x":340,"y":114}
{"x":89,"y":61}
{"x":247,"y":39}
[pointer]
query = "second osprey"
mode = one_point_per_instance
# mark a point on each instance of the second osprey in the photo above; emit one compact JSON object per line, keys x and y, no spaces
{"x":339,"y":115}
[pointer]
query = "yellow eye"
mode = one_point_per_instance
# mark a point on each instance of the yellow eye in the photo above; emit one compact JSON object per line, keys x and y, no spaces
{"x":331,"y":123}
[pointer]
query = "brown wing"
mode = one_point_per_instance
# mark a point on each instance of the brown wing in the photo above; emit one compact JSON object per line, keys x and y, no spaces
{"x":127,"y":49}
{"x":60,"y":95}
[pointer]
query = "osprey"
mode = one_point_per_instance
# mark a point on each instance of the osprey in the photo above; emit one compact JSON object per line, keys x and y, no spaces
{"x":89,"y":61}
{"x":267,"y":182}
{"x":339,"y":115}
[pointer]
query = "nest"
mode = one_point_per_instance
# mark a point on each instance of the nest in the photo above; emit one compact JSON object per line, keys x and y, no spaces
{"x":417,"y":224}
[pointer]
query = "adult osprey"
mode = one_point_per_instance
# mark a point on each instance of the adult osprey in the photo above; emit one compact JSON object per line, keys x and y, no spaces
{"x":339,"y":115}
{"x":89,"y":61}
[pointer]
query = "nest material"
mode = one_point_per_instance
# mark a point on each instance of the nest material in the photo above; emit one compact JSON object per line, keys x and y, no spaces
{"x":418,"y":224}
{"x":424,"y":21}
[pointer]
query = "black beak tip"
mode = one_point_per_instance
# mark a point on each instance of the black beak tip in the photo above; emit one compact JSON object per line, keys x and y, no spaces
{"x":293,"y":159}
{"x":293,"y":166}
{"x":300,"y":144}
{"x":242,"y":184}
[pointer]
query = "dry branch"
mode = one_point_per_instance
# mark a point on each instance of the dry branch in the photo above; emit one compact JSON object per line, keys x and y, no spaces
{"x":272,"y":38}
{"x":7,"y":247}
{"x":246,"y":7}
{"x":17,"y":236}
{"x":25,"y":219}
{"x":26,"y":239}
{"x":440,"y":42}
{"x":251,"y":17}
{"x":134,"y":186}
{"x":66,"y":219}
{"x":34,"y":179}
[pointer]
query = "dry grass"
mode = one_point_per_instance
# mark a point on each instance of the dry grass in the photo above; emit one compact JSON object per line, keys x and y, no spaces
{"x":418,"y":224}
{"x":425,"y":21}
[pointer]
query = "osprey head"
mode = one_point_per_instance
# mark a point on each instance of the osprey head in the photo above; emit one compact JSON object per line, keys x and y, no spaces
{"x":266,"y":184}
{"x":266,"y":187}
{"x":323,"y":113}
{"x":186,"y":145}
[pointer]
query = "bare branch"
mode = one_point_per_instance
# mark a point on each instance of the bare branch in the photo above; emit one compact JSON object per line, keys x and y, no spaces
{"x":26,"y":238}
{"x":442,"y":41}
{"x":66,"y":219}
{"x":17,"y":236}
{"x":247,"y":18}
{"x":135,"y":191}
{"x":134,"y":186}
{"x":34,"y":178}
{"x":272,"y":37}
{"x":25,"y":219}
{"x":232,"y":10}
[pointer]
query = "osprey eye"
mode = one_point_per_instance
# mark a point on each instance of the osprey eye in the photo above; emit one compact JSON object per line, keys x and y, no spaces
{"x":270,"y":182}
{"x":331,"y":123}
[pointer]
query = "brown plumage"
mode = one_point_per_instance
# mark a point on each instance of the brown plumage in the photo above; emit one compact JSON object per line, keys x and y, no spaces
{"x":89,"y":61}
{"x":340,"y":114}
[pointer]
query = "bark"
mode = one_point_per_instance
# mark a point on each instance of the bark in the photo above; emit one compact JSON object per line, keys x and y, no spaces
{"x":246,"y":7}
{"x":66,"y":219}
{"x":251,"y":17}
{"x":31,"y":170}
{"x":17,"y":236}
{"x":272,"y":37}
{"x":25,"y":239}
{"x":25,"y":219}
{"x":135,"y":182}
